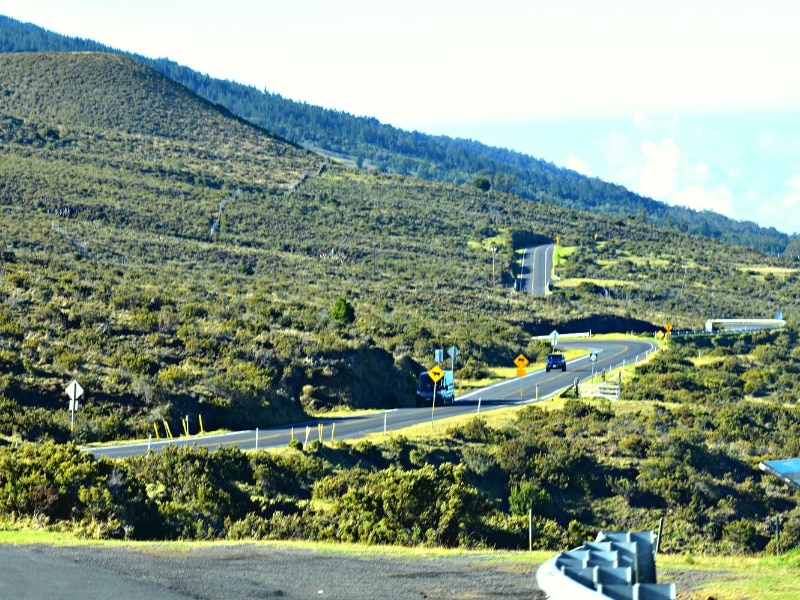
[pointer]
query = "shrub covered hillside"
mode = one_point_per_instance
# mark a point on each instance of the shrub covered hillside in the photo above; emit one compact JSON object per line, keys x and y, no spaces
{"x":579,"y":465}
{"x":178,"y":261}
{"x":365,"y":142}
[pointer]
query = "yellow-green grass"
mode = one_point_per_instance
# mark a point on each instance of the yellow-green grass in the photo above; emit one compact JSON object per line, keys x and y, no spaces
{"x":735,"y":577}
{"x":564,"y":251}
{"x":639,"y":261}
{"x":707,"y":360}
{"x":576,"y":281}
{"x":14,"y":535}
{"x":768,"y":270}
{"x":500,"y":240}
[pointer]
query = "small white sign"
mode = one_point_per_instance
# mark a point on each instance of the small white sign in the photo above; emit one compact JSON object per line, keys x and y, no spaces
{"x":74,"y":390}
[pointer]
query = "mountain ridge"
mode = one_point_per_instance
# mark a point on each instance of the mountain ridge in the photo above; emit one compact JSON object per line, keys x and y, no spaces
{"x":372,"y":144}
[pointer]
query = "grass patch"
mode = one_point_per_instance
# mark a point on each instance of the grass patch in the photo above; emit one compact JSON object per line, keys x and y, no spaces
{"x":564,"y":252}
{"x":767,"y":270}
{"x":576,"y":281}
{"x":733,"y":577}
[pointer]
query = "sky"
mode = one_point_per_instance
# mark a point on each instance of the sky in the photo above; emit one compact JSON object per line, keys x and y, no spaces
{"x":692,"y":102}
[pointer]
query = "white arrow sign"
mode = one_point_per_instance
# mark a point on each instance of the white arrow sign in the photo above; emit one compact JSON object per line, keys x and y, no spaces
{"x":74,"y":390}
{"x":554,"y":338}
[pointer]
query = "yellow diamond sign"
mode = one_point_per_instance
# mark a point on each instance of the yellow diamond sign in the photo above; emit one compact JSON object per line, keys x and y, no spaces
{"x":521,"y":361}
{"x":435,"y":373}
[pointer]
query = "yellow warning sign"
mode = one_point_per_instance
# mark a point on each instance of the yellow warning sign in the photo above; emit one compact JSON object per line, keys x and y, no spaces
{"x":521,"y":361}
{"x":436,"y":373}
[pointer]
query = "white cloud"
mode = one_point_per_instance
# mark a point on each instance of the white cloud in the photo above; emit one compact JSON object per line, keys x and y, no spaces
{"x":621,"y":161}
{"x":657,"y":178}
{"x":695,"y":196}
{"x":576,"y":164}
{"x":791,"y":197}
{"x":700,"y":171}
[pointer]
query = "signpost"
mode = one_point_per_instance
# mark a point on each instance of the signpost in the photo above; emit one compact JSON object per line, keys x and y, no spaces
{"x":73,"y":391}
{"x":593,"y":357}
{"x":521,"y":361}
{"x":554,"y":338}
{"x":435,"y":373}
{"x":452,"y":352}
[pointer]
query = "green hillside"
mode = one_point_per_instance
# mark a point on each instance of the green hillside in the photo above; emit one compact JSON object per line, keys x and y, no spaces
{"x":118,"y":268}
{"x":365,"y":142}
{"x":177,"y":261}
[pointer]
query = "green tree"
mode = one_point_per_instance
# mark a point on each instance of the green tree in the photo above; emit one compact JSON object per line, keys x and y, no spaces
{"x":529,"y":496}
{"x":343,"y":312}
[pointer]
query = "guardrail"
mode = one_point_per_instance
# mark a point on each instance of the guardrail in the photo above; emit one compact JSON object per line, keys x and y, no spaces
{"x":618,"y":565}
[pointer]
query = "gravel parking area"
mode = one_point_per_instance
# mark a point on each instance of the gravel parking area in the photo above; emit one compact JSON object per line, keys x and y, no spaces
{"x":157,"y":572}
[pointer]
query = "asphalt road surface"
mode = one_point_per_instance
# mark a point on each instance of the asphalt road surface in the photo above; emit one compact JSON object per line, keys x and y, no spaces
{"x":537,"y":268}
{"x":253,"y":571}
{"x":532,"y":387}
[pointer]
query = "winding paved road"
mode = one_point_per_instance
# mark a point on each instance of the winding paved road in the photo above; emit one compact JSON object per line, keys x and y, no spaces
{"x":535,"y":386}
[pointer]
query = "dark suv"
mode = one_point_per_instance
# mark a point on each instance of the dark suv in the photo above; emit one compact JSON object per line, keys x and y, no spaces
{"x":556,"y":360}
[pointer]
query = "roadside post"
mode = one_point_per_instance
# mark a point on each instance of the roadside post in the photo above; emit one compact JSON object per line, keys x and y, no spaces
{"x":521,"y":361}
{"x":452,"y":352}
{"x":435,"y":373}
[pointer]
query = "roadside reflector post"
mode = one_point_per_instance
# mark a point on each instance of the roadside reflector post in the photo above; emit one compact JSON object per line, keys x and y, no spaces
{"x":256,"y":439}
{"x":479,"y":405}
{"x":386,"y":414}
{"x":530,"y":530}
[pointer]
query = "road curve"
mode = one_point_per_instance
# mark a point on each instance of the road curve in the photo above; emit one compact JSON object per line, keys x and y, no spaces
{"x":537,"y":385}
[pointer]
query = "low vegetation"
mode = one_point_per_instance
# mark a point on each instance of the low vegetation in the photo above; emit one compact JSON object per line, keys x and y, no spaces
{"x":178,"y":261}
{"x":590,"y":465}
